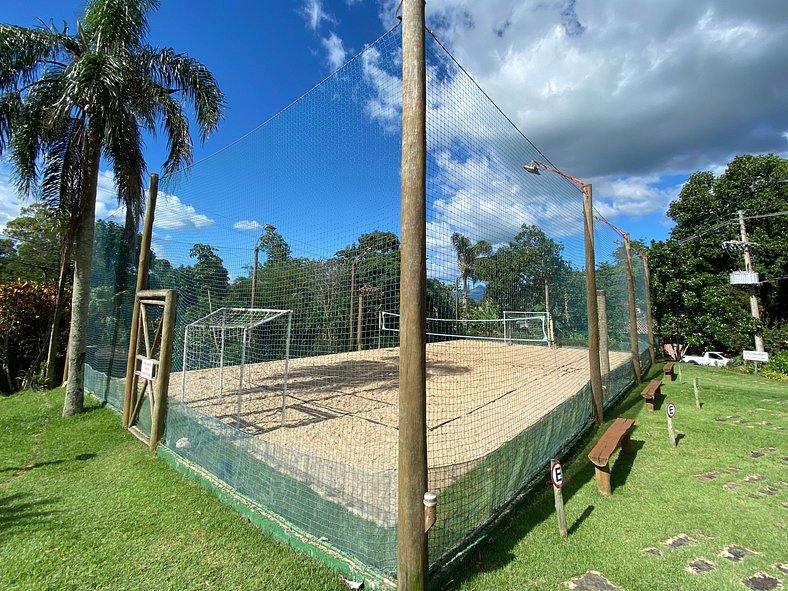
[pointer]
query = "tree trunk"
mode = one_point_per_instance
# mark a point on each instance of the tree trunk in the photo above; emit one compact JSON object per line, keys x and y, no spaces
{"x":83,"y":261}
{"x":465,"y":294}
{"x":54,"y":337}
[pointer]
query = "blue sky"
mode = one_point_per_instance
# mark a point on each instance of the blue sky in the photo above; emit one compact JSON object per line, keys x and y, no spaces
{"x":632,"y":96}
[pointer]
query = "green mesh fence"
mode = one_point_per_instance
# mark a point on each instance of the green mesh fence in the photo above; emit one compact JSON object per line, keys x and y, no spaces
{"x":284,"y":250}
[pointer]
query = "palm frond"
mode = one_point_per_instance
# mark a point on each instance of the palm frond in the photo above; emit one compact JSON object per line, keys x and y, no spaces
{"x":192,"y":80}
{"x":23,"y":52}
{"x":118,"y":22}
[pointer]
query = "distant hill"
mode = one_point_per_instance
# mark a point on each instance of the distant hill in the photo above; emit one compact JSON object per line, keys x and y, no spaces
{"x":477,"y":293}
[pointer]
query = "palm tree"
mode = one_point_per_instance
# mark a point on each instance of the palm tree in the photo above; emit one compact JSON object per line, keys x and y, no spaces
{"x":107,"y":82}
{"x":467,"y":255}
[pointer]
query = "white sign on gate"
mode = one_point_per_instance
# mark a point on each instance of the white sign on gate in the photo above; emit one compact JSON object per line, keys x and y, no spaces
{"x":146,"y":369}
{"x":761,"y":356}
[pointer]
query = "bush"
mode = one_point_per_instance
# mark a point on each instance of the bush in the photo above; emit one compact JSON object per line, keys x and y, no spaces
{"x":778,"y":362}
{"x":26,"y":310}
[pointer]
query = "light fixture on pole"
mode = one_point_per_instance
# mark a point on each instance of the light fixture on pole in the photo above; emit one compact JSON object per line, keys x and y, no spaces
{"x":595,"y":369}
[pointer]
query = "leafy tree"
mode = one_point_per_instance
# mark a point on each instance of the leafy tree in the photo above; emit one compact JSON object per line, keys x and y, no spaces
{"x":25,"y":309}
{"x":36,"y":236}
{"x":110,"y":84}
{"x":516,"y":274}
{"x":275,"y":247}
{"x":467,"y":258}
{"x":694,"y":302}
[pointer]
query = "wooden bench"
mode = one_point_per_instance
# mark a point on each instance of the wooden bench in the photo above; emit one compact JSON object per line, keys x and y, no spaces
{"x":669,"y":375}
{"x":617,"y":434}
{"x":651,"y":392}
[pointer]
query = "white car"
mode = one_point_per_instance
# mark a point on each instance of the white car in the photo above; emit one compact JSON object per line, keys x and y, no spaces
{"x":714,"y":358}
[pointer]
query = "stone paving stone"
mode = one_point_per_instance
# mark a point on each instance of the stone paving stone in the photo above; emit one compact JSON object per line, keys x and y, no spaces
{"x":785,"y":459}
{"x":756,"y":454}
{"x":736,"y":553}
{"x":754,"y":496}
{"x":678,"y":541}
{"x":720,"y":419}
{"x":769,"y":449}
{"x":783,"y":484}
{"x":732,"y":469}
{"x":754,"y":478}
{"x":591,"y":581}
{"x":653,"y":551}
{"x":768,"y":490}
{"x":762,"y":581}
{"x":708,"y":475}
{"x":730,"y":485}
{"x":785,"y":505}
{"x":741,"y":422}
{"x":700,"y":565}
{"x":783,"y":568}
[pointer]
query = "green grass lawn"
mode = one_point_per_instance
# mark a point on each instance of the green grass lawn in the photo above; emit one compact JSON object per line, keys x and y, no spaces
{"x":84,"y":506}
{"x":657,"y":495}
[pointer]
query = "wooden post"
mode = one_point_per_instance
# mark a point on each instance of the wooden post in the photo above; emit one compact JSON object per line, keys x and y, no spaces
{"x":360,"y":320}
{"x":604,"y":347}
{"x":649,"y":318}
{"x":593,"y":314}
{"x":559,"y":505}
{"x":352,"y":301}
{"x":681,"y":378}
{"x":254,"y":273}
{"x":696,"y":388}
{"x":412,"y":463}
{"x":159,"y":401}
{"x":633,"y":320}
{"x":142,"y":283}
{"x":671,"y":432}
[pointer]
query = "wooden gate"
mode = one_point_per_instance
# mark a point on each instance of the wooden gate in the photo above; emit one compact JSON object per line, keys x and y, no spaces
{"x":151,"y":365}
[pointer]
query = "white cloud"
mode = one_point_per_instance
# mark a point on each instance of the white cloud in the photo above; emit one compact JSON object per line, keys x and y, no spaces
{"x":385,"y":106}
{"x":247,"y":225}
{"x":629,"y":89}
{"x":337,"y":55}
{"x":313,"y":13}
{"x":173,"y":214}
{"x":624,"y":95}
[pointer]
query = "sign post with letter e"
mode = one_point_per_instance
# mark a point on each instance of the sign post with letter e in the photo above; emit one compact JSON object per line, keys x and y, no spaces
{"x":557,"y":478}
{"x":671,"y":412}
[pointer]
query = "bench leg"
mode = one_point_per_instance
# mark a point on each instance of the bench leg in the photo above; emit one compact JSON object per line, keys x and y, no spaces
{"x":603,"y":480}
{"x":650,"y":404}
{"x":626,"y":445}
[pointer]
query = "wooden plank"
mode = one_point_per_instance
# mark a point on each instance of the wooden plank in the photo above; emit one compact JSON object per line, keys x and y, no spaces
{"x":610,"y":441}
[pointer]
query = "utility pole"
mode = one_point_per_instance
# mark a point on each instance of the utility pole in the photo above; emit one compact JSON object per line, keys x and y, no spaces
{"x":752,"y":288}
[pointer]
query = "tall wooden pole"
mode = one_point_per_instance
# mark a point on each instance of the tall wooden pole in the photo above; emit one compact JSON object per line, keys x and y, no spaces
{"x":352,"y":301}
{"x":254,"y":274}
{"x":593,"y":318}
{"x":360,"y":320}
{"x":142,"y":283}
{"x":652,"y":347}
{"x":412,"y":467}
{"x":159,"y":416}
{"x":604,"y":345}
{"x":633,"y":319}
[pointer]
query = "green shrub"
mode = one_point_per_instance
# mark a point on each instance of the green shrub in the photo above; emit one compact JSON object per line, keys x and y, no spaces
{"x":778,"y":362}
{"x":26,"y":310}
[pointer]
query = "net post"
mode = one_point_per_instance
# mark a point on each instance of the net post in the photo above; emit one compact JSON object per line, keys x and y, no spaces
{"x":183,"y":365}
{"x":649,"y":319}
{"x":604,"y":343}
{"x":633,"y":320}
{"x":412,"y":463}
{"x":142,"y":283}
{"x":593,"y":320}
{"x":287,"y":364}
{"x":159,"y":405}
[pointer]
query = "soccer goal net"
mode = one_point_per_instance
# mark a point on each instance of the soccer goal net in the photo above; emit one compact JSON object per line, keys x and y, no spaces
{"x":221,"y":349}
{"x":524,"y":327}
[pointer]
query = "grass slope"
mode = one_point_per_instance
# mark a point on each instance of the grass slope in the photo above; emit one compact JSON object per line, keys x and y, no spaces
{"x":657,"y":495}
{"x":84,"y":506}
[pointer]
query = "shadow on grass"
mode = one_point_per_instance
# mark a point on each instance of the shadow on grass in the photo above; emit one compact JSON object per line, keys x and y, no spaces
{"x":495,"y":551}
{"x":21,"y":510}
